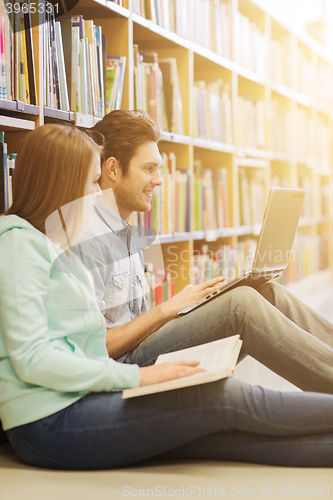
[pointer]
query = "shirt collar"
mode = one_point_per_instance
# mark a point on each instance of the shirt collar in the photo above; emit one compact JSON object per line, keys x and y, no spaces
{"x":114,"y":220}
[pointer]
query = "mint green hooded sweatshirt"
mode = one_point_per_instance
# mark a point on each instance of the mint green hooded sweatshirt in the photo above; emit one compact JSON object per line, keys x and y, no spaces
{"x":52,"y":335}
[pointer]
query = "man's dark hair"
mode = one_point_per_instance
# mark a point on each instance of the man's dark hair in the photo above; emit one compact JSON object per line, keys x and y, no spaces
{"x":124,"y":131}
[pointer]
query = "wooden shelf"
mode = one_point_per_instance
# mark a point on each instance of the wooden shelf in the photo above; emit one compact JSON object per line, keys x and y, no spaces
{"x":10,"y":124}
{"x":121,"y":11}
{"x":214,"y":234}
{"x":168,"y":238}
{"x":248,"y":230}
{"x":101,"y":9}
{"x":282,"y":90}
{"x":252,"y":162}
{"x":215,"y":58}
{"x":251,"y":153}
{"x":18,"y":107}
{"x":59,"y":114}
{"x":176,"y":138}
{"x":214,"y":146}
{"x":86,"y":121}
{"x":158,"y":33}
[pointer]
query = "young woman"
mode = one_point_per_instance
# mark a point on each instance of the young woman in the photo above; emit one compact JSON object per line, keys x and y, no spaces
{"x":60,"y":399}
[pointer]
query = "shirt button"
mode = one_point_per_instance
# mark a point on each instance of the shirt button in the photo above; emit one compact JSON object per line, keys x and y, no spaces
{"x":122,"y":284}
{"x":132,"y":286}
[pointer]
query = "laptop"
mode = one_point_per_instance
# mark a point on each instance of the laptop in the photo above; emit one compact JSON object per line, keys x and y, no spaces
{"x":275,"y":243}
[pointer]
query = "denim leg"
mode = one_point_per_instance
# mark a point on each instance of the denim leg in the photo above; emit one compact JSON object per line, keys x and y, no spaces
{"x":103,"y":431}
{"x":294,"y":348}
{"x":310,"y":450}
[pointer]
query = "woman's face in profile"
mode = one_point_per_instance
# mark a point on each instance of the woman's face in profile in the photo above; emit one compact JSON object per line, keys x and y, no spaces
{"x":65,"y":225}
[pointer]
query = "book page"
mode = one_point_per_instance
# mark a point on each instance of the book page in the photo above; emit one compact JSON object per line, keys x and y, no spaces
{"x":217,"y":358}
{"x":211,"y":355}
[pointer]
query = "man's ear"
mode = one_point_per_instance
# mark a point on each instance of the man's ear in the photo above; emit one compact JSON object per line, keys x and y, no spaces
{"x":112,"y":168}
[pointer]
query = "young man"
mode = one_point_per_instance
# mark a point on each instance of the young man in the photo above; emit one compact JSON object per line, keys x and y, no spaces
{"x":276,"y":328}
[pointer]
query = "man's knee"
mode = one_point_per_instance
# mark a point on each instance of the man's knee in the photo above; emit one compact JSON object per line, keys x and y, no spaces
{"x":273,"y":291}
{"x":243,"y":295}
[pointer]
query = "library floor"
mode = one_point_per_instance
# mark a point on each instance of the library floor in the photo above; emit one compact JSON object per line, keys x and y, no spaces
{"x":187,"y":479}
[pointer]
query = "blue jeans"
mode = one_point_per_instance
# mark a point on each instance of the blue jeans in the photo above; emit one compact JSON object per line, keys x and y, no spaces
{"x":224,"y":420}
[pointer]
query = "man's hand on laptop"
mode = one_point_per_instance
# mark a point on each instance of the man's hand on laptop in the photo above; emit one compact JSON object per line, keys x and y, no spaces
{"x":189,"y":295}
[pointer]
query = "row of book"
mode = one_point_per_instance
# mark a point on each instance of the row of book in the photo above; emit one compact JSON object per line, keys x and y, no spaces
{"x":209,"y":23}
{"x":315,"y":84}
{"x":251,"y":123}
{"x":211,"y":202}
{"x":172,"y":15}
{"x":159,"y":285}
{"x":157,"y":90}
{"x":278,"y":180}
{"x":317,"y":192}
{"x":281,"y":62}
{"x":310,"y":254}
{"x":312,"y":136}
{"x":324,"y":199}
{"x":17,"y":74}
{"x":210,"y":261}
{"x":251,"y":45}
{"x":281,"y":128}
{"x":7,"y":166}
{"x":304,"y":182}
{"x":213,"y":121}
{"x":78,"y":75}
{"x":114,"y":81}
{"x":171,"y":202}
{"x":170,"y":211}
{"x":121,"y":3}
{"x":317,"y":199}
{"x":304,"y":75}
{"x":74,"y":65}
{"x":212,"y":111}
{"x":323,"y":85}
{"x":213,"y":26}
{"x":251,"y":196}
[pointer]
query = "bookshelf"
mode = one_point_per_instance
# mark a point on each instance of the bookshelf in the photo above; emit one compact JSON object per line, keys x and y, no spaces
{"x":280,"y":127}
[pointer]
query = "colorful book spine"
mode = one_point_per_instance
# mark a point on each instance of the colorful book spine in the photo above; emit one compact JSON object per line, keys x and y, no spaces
{"x":11,"y":159}
{"x":3,"y":174}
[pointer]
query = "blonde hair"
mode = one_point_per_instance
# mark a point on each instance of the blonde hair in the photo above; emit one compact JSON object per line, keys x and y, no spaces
{"x":51,"y":171}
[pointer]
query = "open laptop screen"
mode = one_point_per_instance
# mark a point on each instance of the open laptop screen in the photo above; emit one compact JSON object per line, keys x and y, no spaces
{"x":278,"y":231}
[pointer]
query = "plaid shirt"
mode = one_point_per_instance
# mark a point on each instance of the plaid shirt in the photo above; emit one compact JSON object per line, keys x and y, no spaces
{"x":111,"y":253}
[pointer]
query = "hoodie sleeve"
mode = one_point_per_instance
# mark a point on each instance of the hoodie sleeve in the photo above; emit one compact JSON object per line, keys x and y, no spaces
{"x":24,"y":287}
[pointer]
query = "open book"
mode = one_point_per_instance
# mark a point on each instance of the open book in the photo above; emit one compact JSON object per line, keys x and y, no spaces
{"x":218,"y":358}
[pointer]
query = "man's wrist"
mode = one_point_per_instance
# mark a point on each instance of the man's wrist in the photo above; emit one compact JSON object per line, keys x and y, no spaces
{"x":166,"y":313}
